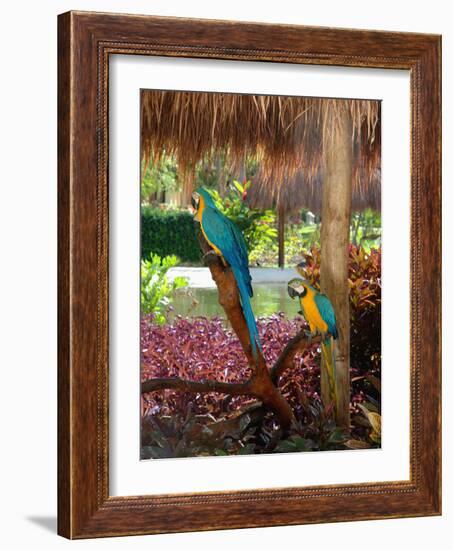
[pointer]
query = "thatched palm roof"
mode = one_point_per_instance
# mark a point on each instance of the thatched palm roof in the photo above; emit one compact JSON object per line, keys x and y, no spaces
{"x":285,"y":134}
{"x":303,"y":190}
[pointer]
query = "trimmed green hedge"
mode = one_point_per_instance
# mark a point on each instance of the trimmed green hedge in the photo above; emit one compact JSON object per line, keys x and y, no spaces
{"x":166,"y":232}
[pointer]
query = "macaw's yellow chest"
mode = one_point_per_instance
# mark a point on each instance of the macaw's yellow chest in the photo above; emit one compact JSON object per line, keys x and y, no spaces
{"x":311,"y":313}
{"x":199,"y":217}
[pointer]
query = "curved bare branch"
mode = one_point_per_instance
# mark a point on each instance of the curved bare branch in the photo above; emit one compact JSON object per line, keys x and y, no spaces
{"x":286,"y":358}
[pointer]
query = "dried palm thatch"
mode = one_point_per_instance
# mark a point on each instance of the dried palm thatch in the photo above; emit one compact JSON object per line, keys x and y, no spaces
{"x":304,"y":189}
{"x":284,"y":134}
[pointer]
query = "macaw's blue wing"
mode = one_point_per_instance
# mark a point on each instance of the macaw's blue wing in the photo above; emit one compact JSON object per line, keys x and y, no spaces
{"x":224,"y":234}
{"x":327,"y":313}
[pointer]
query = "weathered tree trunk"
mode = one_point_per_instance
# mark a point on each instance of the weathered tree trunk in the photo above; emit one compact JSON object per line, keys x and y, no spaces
{"x":260,"y":384}
{"x":186,"y":194}
{"x":187,"y":176}
{"x":281,"y":237}
{"x":335,"y":226}
{"x":242,"y":171}
{"x":221,"y":178}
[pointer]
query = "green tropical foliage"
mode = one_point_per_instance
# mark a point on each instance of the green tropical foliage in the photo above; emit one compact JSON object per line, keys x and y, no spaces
{"x":169,"y":232}
{"x":298,"y":240}
{"x":366,"y":229}
{"x":257,"y":226}
{"x":251,"y":432}
{"x":156,"y":290}
{"x":160,"y":178}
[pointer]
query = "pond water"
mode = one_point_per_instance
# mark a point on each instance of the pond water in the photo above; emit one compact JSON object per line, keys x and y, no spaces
{"x":268,"y":298}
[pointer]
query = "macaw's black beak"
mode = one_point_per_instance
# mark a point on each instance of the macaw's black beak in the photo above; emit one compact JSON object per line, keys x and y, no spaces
{"x":296,"y":288}
{"x":300,"y":312}
{"x":292,"y":293}
{"x":195,"y":200}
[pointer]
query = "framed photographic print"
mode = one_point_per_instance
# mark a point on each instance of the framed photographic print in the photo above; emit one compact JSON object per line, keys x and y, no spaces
{"x":249,"y":275}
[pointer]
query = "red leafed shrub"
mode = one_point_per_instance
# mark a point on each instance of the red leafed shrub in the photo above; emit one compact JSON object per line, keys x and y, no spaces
{"x":202,"y":349}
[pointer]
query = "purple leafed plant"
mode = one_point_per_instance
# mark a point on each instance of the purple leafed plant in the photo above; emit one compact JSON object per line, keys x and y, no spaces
{"x":202,"y":349}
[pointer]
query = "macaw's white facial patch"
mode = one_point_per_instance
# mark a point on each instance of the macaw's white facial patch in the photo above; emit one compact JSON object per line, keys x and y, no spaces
{"x":300,"y":289}
{"x":296,"y":287}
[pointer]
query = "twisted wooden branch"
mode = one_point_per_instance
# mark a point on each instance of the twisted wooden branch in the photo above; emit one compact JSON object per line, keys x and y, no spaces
{"x":286,"y":358}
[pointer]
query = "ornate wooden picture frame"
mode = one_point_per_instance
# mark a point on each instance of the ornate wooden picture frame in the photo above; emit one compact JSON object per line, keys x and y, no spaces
{"x":85,"y":42}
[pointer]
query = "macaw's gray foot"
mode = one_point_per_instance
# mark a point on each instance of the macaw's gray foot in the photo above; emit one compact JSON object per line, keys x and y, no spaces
{"x":308,"y":335}
{"x":209,"y":253}
{"x":209,"y":257}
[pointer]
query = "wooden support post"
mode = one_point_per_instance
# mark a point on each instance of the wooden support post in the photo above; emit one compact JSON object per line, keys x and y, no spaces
{"x":281,"y":237}
{"x":335,"y":227}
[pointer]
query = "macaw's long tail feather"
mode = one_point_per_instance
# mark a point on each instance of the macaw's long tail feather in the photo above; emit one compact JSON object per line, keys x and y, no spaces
{"x":244,"y":292}
{"x":329,"y":359}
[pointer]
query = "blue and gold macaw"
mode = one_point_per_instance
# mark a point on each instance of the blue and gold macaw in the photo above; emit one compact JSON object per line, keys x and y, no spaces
{"x":227,"y":241}
{"x":320,"y":316}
